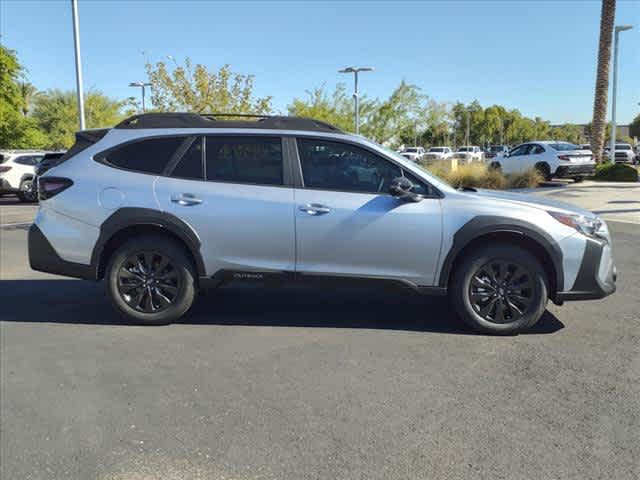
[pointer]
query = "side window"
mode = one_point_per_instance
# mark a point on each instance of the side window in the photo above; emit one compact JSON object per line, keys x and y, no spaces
{"x":190,"y":165}
{"x":146,"y":156}
{"x":419,"y":186}
{"x":521,"y":150}
{"x":340,"y":166}
{"x":244,"y":159}
{"x":536,"y":149}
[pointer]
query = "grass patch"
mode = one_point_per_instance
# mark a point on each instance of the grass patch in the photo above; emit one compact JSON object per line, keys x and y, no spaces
{"x":616,"y":172}
{"x":479,"y":175}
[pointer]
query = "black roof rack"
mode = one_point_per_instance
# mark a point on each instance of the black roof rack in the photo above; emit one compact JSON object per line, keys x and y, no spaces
{"x":224,"y":120}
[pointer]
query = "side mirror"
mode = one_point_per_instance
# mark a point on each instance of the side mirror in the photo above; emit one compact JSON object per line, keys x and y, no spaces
{"x":401,"y":187}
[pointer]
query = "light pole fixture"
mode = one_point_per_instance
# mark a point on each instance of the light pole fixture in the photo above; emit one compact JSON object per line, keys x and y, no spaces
{"x":618,"y":29}
{"x":355,"y":71}
{"x":142,"y":86}
{"x":76,"y":47}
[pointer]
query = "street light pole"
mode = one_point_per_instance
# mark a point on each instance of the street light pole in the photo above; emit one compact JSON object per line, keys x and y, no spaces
{"x":356,"y":97}
{"x":618,"y":29}
{"x":76,"y":44}
{"x":142,"y":86}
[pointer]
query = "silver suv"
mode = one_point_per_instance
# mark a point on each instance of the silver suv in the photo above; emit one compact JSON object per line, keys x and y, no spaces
{"x":164,"y":204}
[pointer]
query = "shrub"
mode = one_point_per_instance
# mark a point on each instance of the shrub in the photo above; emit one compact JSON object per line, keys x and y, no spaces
{"x":472,"y":175}
{"x":616,"y":172}
{"x":528,"y":179}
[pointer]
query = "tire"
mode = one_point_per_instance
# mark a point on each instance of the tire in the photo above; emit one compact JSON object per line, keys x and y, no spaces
{"x":544,"y":170}
{"x":578,"y":179}
{"x":150,"y":280}
{"x":27,"y":193}
{"x":495,"y":166}
{"x":470,"y":296}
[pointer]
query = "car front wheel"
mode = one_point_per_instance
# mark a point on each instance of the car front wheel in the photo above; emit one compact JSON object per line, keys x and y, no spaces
{"x":150,"y":280}
{"x":499,"y":289}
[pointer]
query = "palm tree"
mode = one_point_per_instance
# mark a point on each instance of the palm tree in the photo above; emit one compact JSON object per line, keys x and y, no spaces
{"x":607,"y":18}
{"x":29,"y":93}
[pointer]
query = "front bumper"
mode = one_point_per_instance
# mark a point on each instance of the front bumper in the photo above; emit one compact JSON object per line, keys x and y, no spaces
{"x":597,"y":275}
{"x":569,"y":171}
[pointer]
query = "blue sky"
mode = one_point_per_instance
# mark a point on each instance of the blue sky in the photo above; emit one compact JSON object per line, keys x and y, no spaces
{"x":537,"y":56}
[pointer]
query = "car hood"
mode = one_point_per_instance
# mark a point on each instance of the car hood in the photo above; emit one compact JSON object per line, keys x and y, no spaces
{"x":536,"y":201}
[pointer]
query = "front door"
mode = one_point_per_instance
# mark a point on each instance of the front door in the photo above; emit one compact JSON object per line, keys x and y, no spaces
{"x":347,"y":223}
{"x":230,"y":190}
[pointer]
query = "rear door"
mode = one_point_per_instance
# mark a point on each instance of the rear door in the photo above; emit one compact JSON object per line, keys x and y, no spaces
{"x":232,"y":190}
{"x":347,"y":224}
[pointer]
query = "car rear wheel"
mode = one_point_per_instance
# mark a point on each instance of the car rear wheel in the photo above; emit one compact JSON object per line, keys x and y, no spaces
{"x":499,"y":289}
{"x":544,"y":170}
{"x":27,"y":192}
{"x":150,"y":280}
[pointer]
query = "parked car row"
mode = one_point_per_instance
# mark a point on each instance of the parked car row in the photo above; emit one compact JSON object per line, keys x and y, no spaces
{"x":19,"y":170}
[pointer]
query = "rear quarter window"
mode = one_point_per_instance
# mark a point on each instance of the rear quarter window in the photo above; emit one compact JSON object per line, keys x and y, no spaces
{"x":150,"y":155}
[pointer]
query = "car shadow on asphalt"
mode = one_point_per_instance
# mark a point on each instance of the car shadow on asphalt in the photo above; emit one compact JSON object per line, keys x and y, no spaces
{"x":83,"y":302}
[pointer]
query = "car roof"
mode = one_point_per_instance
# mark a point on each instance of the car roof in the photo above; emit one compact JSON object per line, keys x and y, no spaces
{"x":167,"y":120}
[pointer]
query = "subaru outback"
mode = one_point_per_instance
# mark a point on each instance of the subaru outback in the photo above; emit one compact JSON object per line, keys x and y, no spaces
{"x":164,"y":204}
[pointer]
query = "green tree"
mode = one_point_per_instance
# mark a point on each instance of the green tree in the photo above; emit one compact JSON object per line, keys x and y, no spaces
{"x":193,"y":88}
{"x":335,"y":108}
{"x":568,"y":133}
{"x":398,"y":117}
{"x":634,"y":127}
{"x":16,"y":131}
{"x":55,"y":112}
{"x":29,"y":94}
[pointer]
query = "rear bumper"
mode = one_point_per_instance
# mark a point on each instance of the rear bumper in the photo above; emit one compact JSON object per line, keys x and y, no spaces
{"x":5,"y":186}
{"x":597,"y":275}
{"x":569,"y":171}
{"x":44,"y":258}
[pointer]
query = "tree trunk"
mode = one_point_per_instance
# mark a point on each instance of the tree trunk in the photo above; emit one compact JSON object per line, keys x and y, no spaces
{"x":607,"y":18}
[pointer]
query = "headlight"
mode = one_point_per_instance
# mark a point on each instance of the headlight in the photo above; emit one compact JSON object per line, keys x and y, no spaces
{"x":587,"y":226}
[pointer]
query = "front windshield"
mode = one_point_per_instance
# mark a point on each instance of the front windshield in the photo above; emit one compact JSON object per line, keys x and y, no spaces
{"x":623,"y":147}
{"x":465,"y":149}
{"x":411,"y":150}
{"x":495,"y":148}
{"x":436,"y":149}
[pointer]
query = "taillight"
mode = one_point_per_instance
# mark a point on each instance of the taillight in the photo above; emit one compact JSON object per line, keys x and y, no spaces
{"x":4,"y":169}
{"x":566,"y":158}
{"x":51,"y":186}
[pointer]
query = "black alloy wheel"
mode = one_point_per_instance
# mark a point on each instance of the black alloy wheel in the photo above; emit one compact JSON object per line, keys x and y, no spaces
{"x":148,"y":282}
{"x":501,"y":291}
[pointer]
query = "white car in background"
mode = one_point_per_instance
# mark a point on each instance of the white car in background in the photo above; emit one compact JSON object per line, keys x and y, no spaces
{"x":624,"y":153}
{"x":17,"y":173}
{"x":438,"y":153}
{"x":414,"y":154}
{"x":469,"y":153}
{"x":550,"y":158}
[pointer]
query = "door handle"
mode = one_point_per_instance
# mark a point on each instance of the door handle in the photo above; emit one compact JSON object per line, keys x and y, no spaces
{"x":315,"y":209}
{"x":185,"y":199}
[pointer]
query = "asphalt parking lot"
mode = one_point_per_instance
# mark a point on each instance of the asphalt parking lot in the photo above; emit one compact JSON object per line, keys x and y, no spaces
{"x":307,"y":384}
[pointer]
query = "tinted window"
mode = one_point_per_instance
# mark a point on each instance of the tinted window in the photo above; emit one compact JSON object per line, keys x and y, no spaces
{"x":521,"y":150}
{"x":190,"y":165}
{"x":147,"y":156}
{"x":243,"y":159}
{"x":340,"y":166}
{"x":28,"y":159}
{"x":563,"y":147}
{"x":536,"y":149}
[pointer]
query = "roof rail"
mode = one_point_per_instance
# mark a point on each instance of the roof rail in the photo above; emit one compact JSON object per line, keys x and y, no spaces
{"x":224,"y":120}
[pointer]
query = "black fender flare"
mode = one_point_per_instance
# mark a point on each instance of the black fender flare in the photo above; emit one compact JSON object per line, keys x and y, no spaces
{"x":127,"y":217}
{"x":489,"y":224}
